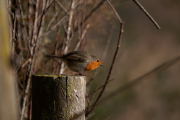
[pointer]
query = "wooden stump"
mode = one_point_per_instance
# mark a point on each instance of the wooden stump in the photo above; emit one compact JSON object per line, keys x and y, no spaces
{"x":58,"y":97}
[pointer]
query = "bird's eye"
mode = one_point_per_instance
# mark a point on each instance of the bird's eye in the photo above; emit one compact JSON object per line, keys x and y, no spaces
{"x":97,"y":60}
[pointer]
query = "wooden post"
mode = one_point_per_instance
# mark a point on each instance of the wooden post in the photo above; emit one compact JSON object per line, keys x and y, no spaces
{"x":58,"y":97}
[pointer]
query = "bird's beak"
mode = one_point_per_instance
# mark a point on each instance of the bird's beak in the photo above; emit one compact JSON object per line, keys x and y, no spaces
{"x":101,"y":65}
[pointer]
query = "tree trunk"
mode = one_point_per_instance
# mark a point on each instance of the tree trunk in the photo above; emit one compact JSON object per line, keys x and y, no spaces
{"x":8,"y":101}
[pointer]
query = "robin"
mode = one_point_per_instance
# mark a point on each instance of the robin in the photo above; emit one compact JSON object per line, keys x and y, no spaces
{"x":79,"y":61}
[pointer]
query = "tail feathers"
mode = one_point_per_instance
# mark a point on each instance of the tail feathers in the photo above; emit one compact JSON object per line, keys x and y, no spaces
{"x":52,"y":56}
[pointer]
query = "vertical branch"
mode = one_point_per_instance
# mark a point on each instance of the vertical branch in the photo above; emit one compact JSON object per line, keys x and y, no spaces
{"x":68,"y":32}
{"x":13,"y":36}
{"x":83,"y":14}
{"x":107,"y":45}
{"x":30,"y":67}
{"x":56,"y":38}
{"x":70,"y":25}
{"x":35,"y":30}
{"x":83,"y":30}
{"x":23,"y":37}
{"x":40,"y":30}
{"x":82,"y":37}
{"x":103,"y":54}
{"x":21,"y":13}
{"x":31,"y":13}
{"x":112,"y":64}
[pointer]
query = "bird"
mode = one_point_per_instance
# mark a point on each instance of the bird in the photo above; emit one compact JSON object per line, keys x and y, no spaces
{"x":79,"y":61}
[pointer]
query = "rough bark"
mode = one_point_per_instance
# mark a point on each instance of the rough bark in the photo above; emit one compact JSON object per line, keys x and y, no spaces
{"x":58,"y":97}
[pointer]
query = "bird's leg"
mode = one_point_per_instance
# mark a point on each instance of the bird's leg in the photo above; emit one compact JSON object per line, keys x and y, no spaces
{"x":79,"y":73}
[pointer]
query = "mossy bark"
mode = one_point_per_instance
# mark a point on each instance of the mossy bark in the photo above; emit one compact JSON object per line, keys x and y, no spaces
{"x":58,"y":97}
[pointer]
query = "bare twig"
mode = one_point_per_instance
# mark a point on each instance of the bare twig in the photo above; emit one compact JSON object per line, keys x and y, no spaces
{"x":14,"y":30}
{"x":83,"y":14}
{"x":26,"y":95}
{"x":59,"y":23}
{"x":52,"y":20}
{"x":31,"y":11}
{"x":33,"y":50}
{"x":45,"y":9}
{"x":54,"y":27}
{"x":103,"y":54}
{"x":107,"y":45}
{"x":134,"y":82}
{"x":55,"y":64}
{"x":68,"y":33}
{"x":90,"y":14}
{"x":82,"y":37}
{"x":70,"y":24}
{"x":112,"y":64}
{"x":63,"y":8}
{"x":27,"y":61}
{"x":98,"y":89}
{"x":13,"y":36}
{"x":35,"y":31}
{"x":21,"y":13}
{"x":147,"y":14}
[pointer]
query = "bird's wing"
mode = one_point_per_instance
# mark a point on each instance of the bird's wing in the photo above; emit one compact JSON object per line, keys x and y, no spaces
{"x":81,"y":56}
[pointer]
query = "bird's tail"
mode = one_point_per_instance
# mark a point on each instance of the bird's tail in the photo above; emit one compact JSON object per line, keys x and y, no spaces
{"x":51,"y":56}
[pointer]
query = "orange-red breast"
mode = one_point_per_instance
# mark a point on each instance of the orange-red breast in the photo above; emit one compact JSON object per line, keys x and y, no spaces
{"x":79,"y":61}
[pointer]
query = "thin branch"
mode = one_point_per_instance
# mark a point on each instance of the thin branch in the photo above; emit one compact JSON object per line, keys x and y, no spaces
{"x":68,"y":33}
{"x":147,"y":75}
{"x":35,"y":31}
{"x":103,"y":54}
{"x":98,"y":89}
{"x":90,"y":14}
{"x":31,"y":11}
{"x":70,"y":23}
{"x":14,"y":36}
{"x":82,"y":37}
{"x":54,"y":27}
{"x":107,"y":45}
{"x":52,"y":20}
{"x":21,"y":13}
{"x":55,"y":64}
{"x":41,"y":17}
{"x":147,"y":14}
{"x":26,"y":94}
{"x":83,"y":14}
{"x":59,"y":23}
{"x":45,"y":9}
{"x":112,"y":64}
{"x":25,"y":63}
{"x":33,"y":50}
{"x":63,"y":8}
{"x":64,"y":27}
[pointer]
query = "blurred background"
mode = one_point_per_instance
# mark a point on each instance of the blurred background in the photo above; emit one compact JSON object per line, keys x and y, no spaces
{"x":143,"y":48}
